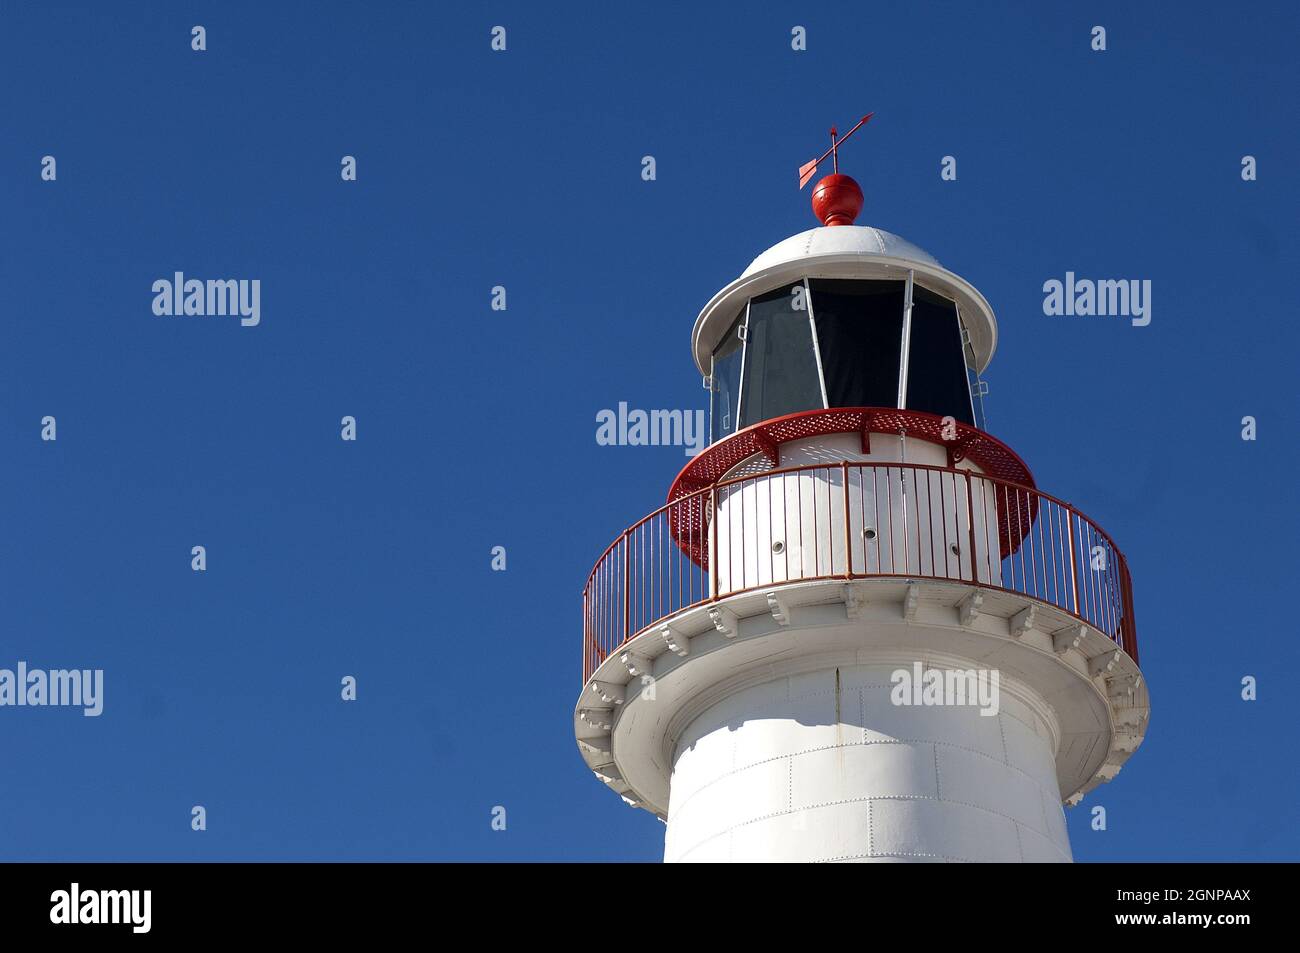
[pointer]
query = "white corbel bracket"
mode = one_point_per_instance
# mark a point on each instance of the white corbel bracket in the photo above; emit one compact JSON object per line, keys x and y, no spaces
{"x":637,"y":665}
{"x":778,"y":607}
{"x":1023,"y":621}
{"x":600,"y":745}
{"x":1122,"y":687}
{"x":853,"y":602}
{"x":1068,"y":638}
{"x":608,"y":692}
{"x":1103,"y":664}
{"x":911,"y":601}
{"x":725,"y":621}
{"x":677,"y":643}
{"x":1124,"y":744}
{"x":1126,"y":715}
{"x":601,"y":718}
{"x":968,"y":609}
{"x":1108,"y":770}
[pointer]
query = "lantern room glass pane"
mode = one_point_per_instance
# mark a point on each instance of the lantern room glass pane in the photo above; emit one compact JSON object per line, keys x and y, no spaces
{"x":780,"y":367}
{"x":859,"y":336}
{"x":726,"y":381}
{"x":936,"y":373}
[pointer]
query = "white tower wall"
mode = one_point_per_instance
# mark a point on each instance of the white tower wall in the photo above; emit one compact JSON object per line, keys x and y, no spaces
{"x":822,"y":766}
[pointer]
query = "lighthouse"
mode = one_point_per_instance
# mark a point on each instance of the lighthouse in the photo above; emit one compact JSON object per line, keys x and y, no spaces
{"x":857,"y":630}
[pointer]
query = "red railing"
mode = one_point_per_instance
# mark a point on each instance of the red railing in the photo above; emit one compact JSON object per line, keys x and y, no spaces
{"x":852,"y":521}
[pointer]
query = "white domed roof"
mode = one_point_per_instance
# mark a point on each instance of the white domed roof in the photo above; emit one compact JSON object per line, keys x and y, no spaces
{"x":840,"y":240}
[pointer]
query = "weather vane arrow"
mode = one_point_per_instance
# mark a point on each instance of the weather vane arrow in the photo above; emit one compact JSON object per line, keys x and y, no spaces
{"x":809,"y":169}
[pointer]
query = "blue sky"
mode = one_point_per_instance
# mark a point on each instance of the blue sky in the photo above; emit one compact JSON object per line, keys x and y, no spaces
{"x":476,"y":427}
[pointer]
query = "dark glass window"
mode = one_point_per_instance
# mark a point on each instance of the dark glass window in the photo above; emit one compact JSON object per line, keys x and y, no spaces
{"x":859,"y":335}
{"x":936,"y":372}
{"x":726,"y":381}
{"x":780,"y":368}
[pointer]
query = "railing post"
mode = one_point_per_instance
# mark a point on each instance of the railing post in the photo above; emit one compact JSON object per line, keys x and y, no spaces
{"x":848,"y":535}
{"x":713,"y":543}
{"x":627,"y":587}
{"x":1130,"y":623}
{"x":970,"y":525}
{"x":1074,"y":569}
{"x":586,"y":629}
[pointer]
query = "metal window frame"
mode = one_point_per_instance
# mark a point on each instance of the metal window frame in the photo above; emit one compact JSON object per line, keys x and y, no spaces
{"x":817,"y":350}
{"x":743,"y":331}
{"x":713,"y":392}
{"x":905,"y":346}
{"x":963,"y":339}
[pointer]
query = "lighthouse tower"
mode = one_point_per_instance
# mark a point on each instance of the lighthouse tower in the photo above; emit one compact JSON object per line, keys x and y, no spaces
{"x":858,"y":629}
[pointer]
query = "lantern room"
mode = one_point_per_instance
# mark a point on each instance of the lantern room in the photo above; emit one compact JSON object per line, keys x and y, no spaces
{"x":843,"y":316}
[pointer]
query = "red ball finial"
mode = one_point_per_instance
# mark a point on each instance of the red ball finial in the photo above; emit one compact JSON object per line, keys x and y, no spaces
{"x":837,"y":200}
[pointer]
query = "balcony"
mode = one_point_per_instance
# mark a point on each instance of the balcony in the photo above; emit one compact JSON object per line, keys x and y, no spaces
{"x":854,"y":520}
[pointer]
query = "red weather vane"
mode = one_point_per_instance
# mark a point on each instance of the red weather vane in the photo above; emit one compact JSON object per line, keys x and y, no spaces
{"x":836,"y":199}
{"x":809,"y":169}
